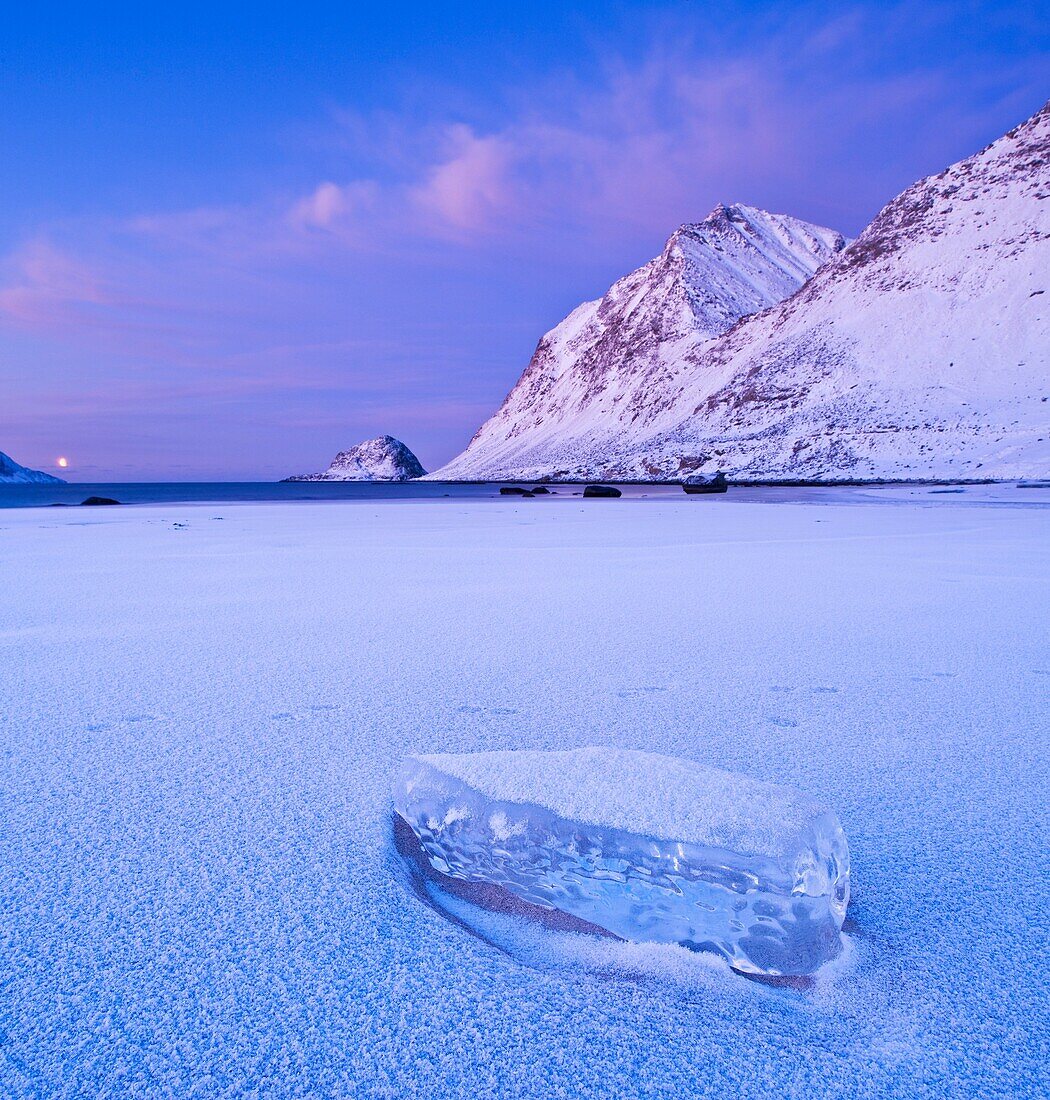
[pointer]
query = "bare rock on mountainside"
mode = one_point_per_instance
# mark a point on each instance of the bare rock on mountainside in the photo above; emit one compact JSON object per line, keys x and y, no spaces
{"x":381,"y":459}
{"x":921,"y":351}
{"x":13,"y":474}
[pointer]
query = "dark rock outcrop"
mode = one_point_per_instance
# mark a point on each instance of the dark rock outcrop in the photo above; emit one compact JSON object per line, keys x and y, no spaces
{"x":699,"y":484}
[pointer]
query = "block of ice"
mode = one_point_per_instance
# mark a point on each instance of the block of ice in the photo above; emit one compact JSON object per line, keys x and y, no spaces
{"x":648,"y":847}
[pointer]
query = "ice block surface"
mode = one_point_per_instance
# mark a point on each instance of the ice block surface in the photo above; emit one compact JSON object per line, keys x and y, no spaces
{"x":649,"y":847}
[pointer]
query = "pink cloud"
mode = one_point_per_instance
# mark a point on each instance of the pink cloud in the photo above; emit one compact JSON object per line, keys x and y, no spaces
{"x":334,"y":207}
{"x":467,"y":192}
{"x":322,"y":208}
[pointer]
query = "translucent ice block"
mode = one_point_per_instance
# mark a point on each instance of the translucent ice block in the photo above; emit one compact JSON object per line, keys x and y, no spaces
{"x":648,"y":847}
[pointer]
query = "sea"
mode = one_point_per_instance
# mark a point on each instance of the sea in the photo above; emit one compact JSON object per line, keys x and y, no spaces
{"x":207,"y":492}
{"x":212,"y":492}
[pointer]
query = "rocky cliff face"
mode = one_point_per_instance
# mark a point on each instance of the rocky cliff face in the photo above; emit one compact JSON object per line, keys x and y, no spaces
{"x":922,"y":350}
{"x":11,"y":473}
{"x":381,"y":459}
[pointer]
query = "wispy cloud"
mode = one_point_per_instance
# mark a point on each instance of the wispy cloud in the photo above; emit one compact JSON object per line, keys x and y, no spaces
{"x":791,"y":118}
{"x":45,"y":285}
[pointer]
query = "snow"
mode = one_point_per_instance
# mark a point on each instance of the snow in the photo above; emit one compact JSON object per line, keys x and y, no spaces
{"x":200,"y":726}
{"x":648,"y":847}
{"x":640,"y":792}
{"x":921,"y":351}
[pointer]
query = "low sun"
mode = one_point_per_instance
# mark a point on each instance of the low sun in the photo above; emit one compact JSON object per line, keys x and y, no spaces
{"x":63,"y":462}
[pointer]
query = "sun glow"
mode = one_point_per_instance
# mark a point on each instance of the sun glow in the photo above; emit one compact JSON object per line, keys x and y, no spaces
{"x":63,"y":463}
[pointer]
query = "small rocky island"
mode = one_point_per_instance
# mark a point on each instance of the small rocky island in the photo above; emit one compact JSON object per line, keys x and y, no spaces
{"x":381,"y":459}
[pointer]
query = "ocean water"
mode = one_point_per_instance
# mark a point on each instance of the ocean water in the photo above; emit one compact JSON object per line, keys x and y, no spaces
{"x":35,"y":496}
{"x":29,"y":496}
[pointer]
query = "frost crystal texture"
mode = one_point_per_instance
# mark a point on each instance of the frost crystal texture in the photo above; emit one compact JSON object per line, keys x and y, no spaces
{"x":648,"y":847}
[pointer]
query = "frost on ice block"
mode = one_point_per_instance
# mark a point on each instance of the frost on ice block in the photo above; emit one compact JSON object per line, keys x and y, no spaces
{"x":648,"y":847}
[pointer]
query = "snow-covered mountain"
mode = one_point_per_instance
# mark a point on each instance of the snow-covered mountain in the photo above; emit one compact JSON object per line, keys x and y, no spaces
{"x":381,"y":459}
{"x":598,"y":372}
{"x":920,"y":351}
{"x":12,"y":473}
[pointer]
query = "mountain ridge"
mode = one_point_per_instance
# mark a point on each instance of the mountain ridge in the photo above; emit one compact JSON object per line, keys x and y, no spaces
{"x":918,"y":352}
{"x":613,"y":352}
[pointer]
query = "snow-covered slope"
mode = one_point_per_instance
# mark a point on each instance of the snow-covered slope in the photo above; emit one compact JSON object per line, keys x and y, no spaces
{"x":921,"y":351}
{"x":381,"y":459}
{"x":599,"y":371}
{"x":12,"y":473}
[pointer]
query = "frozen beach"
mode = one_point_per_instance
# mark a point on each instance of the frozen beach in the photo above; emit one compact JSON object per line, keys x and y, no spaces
{"x":202,"y":707}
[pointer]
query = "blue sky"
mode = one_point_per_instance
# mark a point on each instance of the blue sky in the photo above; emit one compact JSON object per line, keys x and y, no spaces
{"x":234,"y":241}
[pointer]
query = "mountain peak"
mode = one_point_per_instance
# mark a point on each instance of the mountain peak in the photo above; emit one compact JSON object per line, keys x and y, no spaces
{"x":614,"y":360}
{"x":736,"y":212}
{"x":724,"y":217}
{"x":720,"y":213}
{"x":783,"y":238}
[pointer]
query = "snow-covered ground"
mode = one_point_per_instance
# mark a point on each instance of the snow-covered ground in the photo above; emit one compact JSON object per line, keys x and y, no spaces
{"x":202,"y":709}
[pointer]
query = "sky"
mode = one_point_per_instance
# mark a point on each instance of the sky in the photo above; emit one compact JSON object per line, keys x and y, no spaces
{"x":236,"y":241}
